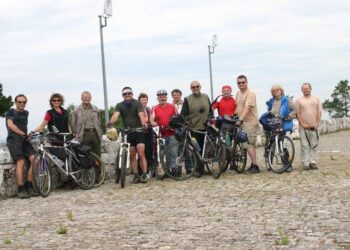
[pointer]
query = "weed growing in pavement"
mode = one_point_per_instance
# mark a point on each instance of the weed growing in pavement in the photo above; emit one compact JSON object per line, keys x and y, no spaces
{"x":7,"y":241}
{"x":283,"y":240}
{"x":62,"y":230}
{"x":70,"y":215}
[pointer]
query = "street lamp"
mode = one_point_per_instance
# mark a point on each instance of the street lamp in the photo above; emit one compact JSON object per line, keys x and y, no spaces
{"x":107,"y":12}
{"x":211,"y":51}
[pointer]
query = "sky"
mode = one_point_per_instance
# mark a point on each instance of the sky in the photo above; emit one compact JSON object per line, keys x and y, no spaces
{"x":54,"y":46}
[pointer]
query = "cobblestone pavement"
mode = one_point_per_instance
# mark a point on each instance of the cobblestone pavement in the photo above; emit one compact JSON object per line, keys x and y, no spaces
{"x":302,"y":209}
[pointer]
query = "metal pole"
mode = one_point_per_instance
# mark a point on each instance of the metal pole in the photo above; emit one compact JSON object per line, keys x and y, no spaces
{"x":211,"y":76}
{"x":104,"y":70}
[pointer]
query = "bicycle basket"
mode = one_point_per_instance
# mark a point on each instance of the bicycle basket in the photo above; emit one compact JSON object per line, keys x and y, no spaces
{"x":176,"y":121}
{"x":241,"y":136}
{"x":180,"y":134}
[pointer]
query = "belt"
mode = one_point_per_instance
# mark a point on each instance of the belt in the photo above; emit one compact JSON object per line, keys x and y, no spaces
{"x":89,"y":130}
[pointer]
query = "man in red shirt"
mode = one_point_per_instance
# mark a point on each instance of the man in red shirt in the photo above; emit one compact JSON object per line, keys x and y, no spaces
{"x":160,"y":116}
{"x":227,"y":104}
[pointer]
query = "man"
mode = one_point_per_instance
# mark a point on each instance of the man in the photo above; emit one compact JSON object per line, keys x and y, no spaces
{"x":248,"y":117}
{"x":197,"y":106}
{"x":309,"y":111}
{"x":227,"y":104}
{"x":19,"y":147}
{"x":177,"y":94}
{"x":86,"y":123}
{"x":132,"y":112}
{"x":160,"y":116}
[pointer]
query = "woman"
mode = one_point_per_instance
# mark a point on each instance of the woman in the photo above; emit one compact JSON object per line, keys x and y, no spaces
{"x":57,"y":116}
{"x":282,"y":106}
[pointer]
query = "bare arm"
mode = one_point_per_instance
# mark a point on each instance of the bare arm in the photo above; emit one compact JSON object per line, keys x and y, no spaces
{"x":142,"y":118}
{"x":115,"y":117}
{"x":41,"y":126}
{"x":14,"y":128}
{"x":153,"y":120}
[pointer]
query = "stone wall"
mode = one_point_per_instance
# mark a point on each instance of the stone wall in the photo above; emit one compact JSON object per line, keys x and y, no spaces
{"x":109,"y":151}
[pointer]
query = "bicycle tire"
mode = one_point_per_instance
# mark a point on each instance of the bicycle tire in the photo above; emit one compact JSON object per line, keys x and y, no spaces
{"x":85,"y":178}
{"x":279,"y":163}
{"x":123,"y":167}
{"x":239,"y":159}
{"x":185,"y":162}
{"x":100,"y":171}
{"x":117,"y":170}
{"x":215,"y":157}
{"x":41,"y":175}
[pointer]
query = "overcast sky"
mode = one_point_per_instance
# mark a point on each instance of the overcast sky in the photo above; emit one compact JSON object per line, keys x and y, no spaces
{"x":54,"y":46}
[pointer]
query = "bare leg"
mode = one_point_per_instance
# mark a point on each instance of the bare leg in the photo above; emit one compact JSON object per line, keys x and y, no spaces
{"x":30,"y":171}
{"x":19,"y":172}
{"x":133,"y":161}
{"x":141,"y":153}
{"x":252,"y":154}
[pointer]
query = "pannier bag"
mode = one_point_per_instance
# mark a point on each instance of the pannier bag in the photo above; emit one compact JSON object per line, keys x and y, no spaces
{"x":83,"y":152}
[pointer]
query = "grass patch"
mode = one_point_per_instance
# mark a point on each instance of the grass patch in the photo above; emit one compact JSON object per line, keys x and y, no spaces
{"x":70,"y":215}
{"x":62,"y":230}
{"x":7,"y":241}
{"x":283,"y":239}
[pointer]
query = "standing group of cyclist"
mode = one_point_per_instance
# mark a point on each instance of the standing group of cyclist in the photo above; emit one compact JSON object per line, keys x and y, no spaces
{"x":85,"y":123}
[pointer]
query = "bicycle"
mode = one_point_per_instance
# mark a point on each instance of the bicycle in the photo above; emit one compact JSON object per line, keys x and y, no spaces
{"x":72,"y":166}
{"x":280,"y":150}
{"x":122,"y":164}
{"x":190,"y":158}
{"x":156,"y":168}
{"x":236,"y":145}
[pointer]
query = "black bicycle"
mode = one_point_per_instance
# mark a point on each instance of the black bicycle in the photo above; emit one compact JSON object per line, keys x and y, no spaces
{"x":235,"y":141}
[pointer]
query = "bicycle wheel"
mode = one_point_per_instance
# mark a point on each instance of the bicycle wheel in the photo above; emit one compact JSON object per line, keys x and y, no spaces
{"x":239,"y":155}
{"x":85,"y":177}
{"x":178,"y":161}
{"x":41,"y":175}
{"x":100,"y":171}
{"x":281,"y":156}
{"x":215,"y":158}
{"x":122,"y":169}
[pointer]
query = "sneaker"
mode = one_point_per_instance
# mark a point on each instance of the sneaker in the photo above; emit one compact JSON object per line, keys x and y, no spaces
{"x":22,"y":193}
{"x":306,"y":168}
{"x":254,"y":169}
{"x":137,"y":179}
{"x":32,"y":192}
{"x":289,"y":169}
{"x":144,"y":178}
{"x":233,"y":166}
{"x":313,"y":166}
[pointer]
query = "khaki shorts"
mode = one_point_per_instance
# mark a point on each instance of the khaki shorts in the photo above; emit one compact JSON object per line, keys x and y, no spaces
{"x":252,"y":133}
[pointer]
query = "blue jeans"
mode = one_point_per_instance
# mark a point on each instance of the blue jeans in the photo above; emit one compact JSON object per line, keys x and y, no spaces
{"x":171,"y":142}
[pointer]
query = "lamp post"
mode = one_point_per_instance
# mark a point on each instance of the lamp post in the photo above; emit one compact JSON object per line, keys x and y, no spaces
{"x":211,"y":51}
{"x":107,"y":12}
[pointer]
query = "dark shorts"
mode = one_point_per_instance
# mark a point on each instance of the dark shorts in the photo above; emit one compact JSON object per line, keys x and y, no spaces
{"x":136,"y":138}
{"x":19,"y":148}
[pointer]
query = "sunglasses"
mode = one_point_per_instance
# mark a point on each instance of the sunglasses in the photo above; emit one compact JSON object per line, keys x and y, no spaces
{"x":195,"y":87}
{"x":239,"y":83}
{"x":22,"y":102}
{"x":128,"y":93}
{"x":56,"y":100}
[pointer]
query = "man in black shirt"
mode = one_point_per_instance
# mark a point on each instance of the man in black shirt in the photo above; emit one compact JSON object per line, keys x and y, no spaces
{"x":16,"y":123}
{"x":132,"y":112}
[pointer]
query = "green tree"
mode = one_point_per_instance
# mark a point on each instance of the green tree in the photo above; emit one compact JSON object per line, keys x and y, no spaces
{"x":5,"y":103}
{"x":339,"y":106}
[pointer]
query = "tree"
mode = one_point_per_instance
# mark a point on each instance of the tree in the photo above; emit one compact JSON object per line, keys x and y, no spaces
{"x":5,"y":103}
{"x":111,"y":110}
{"x":339,"y":106}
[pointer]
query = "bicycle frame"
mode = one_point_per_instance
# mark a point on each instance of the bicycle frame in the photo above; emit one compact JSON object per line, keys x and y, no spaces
{"x":124,"y":144}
